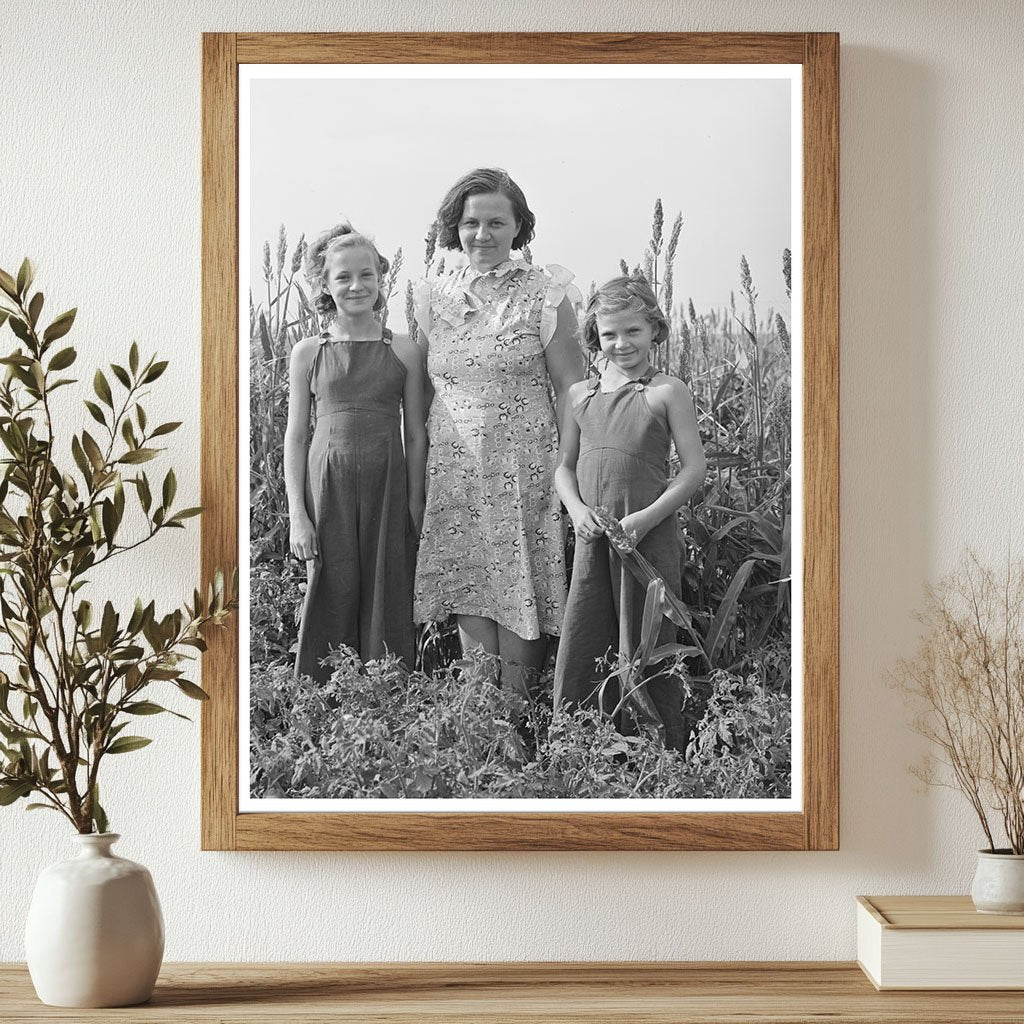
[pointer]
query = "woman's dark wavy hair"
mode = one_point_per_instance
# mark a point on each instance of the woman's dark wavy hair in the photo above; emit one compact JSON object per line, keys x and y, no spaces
{"x":482,"y":181}
{"x":623,"y":295}
{"x":314,"y":265}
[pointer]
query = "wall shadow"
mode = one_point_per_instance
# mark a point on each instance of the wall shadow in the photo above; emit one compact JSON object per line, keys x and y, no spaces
{"x":886,"y":322}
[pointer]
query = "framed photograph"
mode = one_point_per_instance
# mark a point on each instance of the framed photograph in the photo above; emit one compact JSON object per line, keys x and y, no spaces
{"x":520,"y":420}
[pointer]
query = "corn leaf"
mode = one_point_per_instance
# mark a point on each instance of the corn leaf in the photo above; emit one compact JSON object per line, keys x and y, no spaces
{"x":727,"y":610}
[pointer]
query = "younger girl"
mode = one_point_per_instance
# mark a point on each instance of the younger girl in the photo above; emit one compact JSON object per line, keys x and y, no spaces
{"x":614,"y":448}
{"x":355,"y":499}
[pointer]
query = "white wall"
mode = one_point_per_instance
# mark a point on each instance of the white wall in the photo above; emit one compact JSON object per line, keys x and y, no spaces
{"x":99,"y":166}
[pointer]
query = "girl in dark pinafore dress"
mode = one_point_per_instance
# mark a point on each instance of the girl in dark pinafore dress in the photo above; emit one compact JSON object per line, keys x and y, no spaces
{"x":355,"y":497}
{"x":614,"y":453}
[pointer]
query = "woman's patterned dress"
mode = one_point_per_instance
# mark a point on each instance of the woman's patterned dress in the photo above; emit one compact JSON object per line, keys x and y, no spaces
{"x":492,"y":541}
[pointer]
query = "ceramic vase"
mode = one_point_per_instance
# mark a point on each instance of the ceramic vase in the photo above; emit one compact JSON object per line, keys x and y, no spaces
{"x":95,"y":933}
{"x":999,"y":882}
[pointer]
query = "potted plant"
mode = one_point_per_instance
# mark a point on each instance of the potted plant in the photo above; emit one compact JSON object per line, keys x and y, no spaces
{"x":967,"y":679}
{"x":77,"y":672}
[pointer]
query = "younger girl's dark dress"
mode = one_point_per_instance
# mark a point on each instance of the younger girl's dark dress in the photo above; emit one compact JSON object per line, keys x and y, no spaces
{"x":622,"y":464}
{"x":360,"y":587}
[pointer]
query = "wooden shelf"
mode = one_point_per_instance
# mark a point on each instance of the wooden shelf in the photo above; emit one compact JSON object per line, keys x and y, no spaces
{"x":638,"y":993}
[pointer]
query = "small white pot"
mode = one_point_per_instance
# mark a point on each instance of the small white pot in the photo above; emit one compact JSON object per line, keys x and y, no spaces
{"x":95,"y":933}
{"x":999,"y":882}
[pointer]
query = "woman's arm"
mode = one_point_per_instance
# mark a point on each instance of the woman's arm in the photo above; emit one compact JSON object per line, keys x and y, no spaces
{"x":423,"y":344}
{"x":422,"y":297}
{"x":566,"y":484}
{"x":564,"y":358}
{"x":682,"y":423}
{"x":302,"y":534}
{"x":413,"y":425}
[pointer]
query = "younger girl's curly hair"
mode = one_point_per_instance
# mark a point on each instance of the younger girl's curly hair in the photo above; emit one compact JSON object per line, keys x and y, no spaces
{"x":623,"y":295}
{"x":341,"y":236}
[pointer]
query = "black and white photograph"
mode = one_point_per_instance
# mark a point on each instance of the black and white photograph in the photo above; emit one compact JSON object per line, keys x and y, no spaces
{"x":523,"y":508}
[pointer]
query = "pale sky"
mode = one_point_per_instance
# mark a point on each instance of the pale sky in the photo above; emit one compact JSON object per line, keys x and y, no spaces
{"x":591,"y":155}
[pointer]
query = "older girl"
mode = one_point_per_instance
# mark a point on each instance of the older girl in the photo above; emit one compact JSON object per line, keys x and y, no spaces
{"x":355,"y":499}
{"x":615,"y":445}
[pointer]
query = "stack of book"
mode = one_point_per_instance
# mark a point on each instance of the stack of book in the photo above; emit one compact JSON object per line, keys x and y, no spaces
{"x":906,"y":942}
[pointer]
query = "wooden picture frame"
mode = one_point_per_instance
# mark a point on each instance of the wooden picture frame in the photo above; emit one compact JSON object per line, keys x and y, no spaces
{"x":816,"y":825}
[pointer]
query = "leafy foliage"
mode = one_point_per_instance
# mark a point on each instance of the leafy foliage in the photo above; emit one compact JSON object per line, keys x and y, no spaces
{"x":81,"y":671}
{"x":376,"y":731}
{"x":276,"y":589}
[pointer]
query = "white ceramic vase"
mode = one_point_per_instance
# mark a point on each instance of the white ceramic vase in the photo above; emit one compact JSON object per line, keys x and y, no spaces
{"x":95,"y":933}
{"x":999,"y":883}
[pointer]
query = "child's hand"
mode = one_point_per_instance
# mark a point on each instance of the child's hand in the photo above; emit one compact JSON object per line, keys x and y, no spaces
{"x":586,"y":525}
{"x":637,"y":524}
{"x":302,"y":538}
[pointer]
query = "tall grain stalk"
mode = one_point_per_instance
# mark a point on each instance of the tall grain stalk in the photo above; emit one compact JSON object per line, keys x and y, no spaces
{"x":750,"y":293}
{"x":270,"y":350}
{"x":660,"y":278}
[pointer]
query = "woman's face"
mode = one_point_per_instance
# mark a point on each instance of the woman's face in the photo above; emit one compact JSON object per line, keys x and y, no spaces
{"x":352,"y":280}
{"x":486,"y":229}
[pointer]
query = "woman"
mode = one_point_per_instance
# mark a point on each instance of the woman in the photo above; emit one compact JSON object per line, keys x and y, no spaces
{"x":499,"y":335}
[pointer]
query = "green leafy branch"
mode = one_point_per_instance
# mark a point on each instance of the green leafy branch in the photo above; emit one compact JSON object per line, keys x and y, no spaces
{"x":80,"y":673}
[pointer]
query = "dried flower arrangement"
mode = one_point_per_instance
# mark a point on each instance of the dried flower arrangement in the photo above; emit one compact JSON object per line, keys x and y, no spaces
{"x":967,"y":679}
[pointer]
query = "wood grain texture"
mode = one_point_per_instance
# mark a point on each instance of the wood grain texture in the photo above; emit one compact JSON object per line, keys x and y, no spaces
{"x":821,"y":440}
{"x":817,"y":827}
{"x":613,"y":993}
{"x":219,"y":430}
{"x":954,"y":913}
{"x":521,"y":48}
{"x":520,"y":831}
